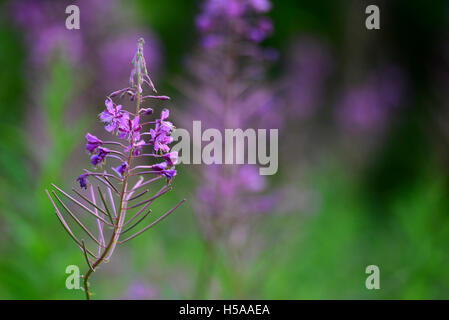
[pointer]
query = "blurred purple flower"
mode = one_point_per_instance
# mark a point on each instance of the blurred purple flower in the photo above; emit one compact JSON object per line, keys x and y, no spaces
{"x":92,"y":143}
{"x":160,"y":134}
{"x":130,"y":129}
{"x":368,"y":106}
{"x":107,"y":26}
{"x":164,"y":168}
{"x":309,"y":67}
{"x":137,"y":290}
{"x":218,"y":17}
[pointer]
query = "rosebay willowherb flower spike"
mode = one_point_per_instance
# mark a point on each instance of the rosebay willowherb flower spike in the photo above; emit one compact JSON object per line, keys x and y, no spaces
{"x":115,"y":196}
{"x":228,"y":76}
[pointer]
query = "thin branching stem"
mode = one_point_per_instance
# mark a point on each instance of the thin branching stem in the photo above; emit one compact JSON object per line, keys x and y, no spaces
{"x":76,"y":219}
{"x":105,"y":205}
{"x":155,"y":222}
{"x":136,"y":223}
{"x":85,"y":255}
{"x":66,"y":226}
{"x":89,"y":201}
{"x":137,"y":214}
{"x":81,"y":205}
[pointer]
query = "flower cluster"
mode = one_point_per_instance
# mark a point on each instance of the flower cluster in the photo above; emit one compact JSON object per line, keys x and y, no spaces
{"x":128,"y":126}
{"x":130,"y":129}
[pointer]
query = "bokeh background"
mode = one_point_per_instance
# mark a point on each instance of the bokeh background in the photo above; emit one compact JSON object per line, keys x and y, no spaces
{"x":363,"y":119}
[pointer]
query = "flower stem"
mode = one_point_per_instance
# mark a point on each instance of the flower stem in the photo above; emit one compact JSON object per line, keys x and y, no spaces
{"x":118,"y":225}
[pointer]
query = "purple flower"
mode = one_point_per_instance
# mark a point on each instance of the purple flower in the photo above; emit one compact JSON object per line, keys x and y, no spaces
{"x":250,"y":179}
{"x":238,"y":18}
{"x":120,"y":170}
{"x":203,"y":22}
{"x":130,"y":129}
{"x":112,"y":116}
{"x":261,"y":30}
{"x":160,"y":166}
{"x":211,"y":41}
{"x":121,"y":183}
{"x":164,"y":114}
{"x":171,"y":157}
{"x":82,"y":180}
{"x":146,"y":111}
{"x":162,"y":125}
{"x":225,"y":190}
{"x":160,"y":134}
{"x":100,"y":157}
{"x":137,"y":147}
{"x":169,"y":173}
{"x":161,"y":142}
{"x":92,"y":143}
